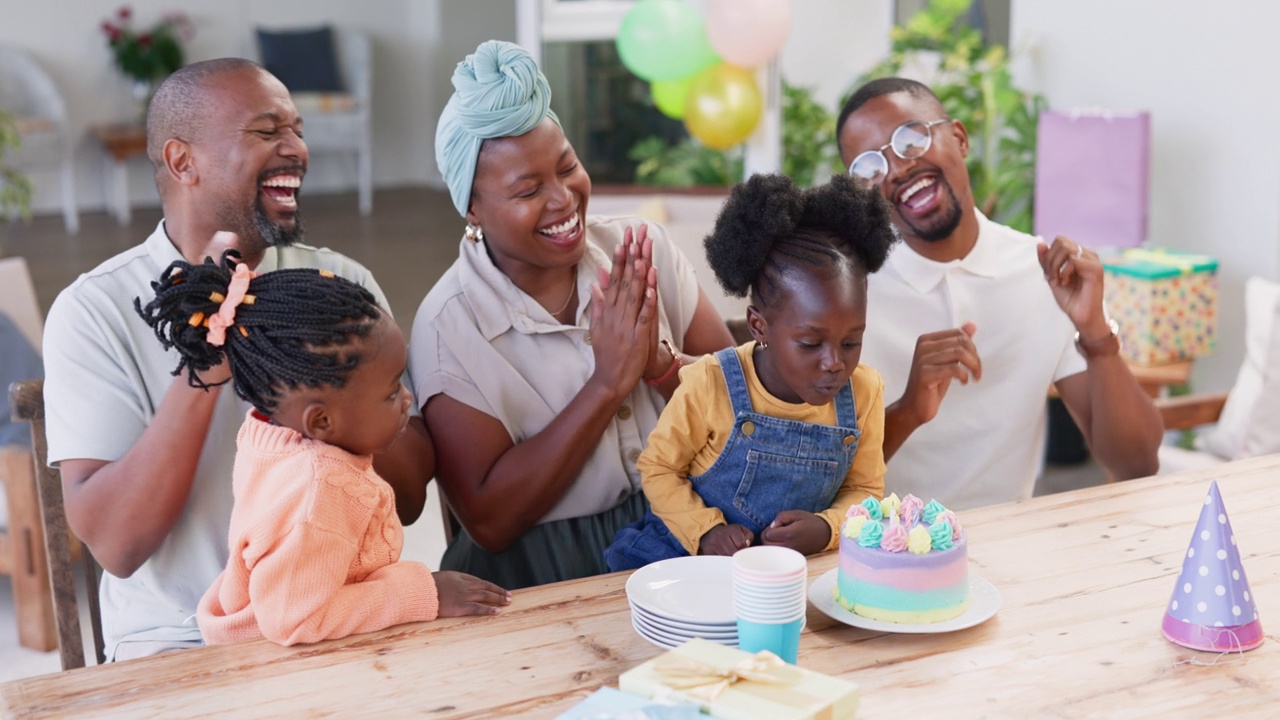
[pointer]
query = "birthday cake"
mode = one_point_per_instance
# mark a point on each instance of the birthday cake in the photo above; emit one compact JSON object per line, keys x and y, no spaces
{"x":903,"y":561}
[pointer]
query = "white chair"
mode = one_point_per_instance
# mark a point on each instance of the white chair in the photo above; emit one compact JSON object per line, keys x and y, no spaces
{"x":27,"y":92}
{"x":1245,"y":422}
{"x":344,"y":121}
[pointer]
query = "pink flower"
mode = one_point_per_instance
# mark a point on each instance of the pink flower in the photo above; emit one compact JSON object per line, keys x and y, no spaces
{"x":124,"y":12}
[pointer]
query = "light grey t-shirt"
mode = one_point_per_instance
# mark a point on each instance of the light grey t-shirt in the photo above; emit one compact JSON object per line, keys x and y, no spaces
{"x":105,"y":374}
{"x":484,"y":342}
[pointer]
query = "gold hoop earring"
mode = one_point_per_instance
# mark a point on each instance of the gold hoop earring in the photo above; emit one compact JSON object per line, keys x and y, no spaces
{"x":474,"y":233}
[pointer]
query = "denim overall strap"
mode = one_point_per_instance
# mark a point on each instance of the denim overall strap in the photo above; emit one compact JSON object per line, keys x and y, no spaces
{"x":770,"y":464}
{"x":735,"y":381}
{"x":846,"y":408}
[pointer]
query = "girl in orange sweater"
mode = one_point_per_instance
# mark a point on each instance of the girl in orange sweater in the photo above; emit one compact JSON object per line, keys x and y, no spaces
{"x":314,"y":538}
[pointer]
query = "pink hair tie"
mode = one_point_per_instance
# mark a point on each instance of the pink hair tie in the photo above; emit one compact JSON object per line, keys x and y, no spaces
{"x":226,"y":315}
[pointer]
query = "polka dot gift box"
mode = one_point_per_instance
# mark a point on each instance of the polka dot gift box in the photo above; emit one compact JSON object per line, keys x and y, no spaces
{"x":1212,"y":607}
{"x":1165,"y":302}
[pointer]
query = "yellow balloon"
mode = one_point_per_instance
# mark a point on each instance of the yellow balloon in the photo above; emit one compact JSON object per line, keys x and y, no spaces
{"x":723,"y":106}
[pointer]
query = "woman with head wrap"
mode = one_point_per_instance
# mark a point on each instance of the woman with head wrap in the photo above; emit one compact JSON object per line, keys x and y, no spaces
{"x":545,"y":354}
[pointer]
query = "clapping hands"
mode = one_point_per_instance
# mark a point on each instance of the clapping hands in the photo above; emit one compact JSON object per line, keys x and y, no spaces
{"x":624,"y":314}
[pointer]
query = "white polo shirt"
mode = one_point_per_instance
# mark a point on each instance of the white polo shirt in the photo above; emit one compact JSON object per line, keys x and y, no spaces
{"x":985,"y":444}
{"x":486,"y":343}
{"x":105,"y":374}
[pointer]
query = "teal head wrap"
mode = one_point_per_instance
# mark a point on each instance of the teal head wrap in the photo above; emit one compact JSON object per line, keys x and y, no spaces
{"x":498,"y":92}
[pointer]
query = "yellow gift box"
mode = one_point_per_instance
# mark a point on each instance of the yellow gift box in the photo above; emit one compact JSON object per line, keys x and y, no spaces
{"x":736,"y":685}
{"x":1165,"y":302}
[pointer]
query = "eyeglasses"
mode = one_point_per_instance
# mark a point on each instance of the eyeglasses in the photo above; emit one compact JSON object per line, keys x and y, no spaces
{"x":909,"y":141}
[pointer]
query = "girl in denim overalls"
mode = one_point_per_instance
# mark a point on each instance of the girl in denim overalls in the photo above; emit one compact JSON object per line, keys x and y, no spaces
{"x":771,"y":442}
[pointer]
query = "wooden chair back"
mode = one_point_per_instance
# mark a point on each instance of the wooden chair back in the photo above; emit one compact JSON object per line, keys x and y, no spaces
{"x":26,"y":402}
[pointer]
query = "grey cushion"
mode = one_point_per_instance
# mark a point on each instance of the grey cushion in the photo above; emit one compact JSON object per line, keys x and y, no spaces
{"x":304,"y":60}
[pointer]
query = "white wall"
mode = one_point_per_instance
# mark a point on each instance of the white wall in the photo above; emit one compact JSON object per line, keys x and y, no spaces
{"x":833,"y":42}
{"x":1206,"y":72}
{"x":413,"y":60}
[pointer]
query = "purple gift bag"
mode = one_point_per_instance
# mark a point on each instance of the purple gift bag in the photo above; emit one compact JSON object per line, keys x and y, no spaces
{"x":1092,"y":171}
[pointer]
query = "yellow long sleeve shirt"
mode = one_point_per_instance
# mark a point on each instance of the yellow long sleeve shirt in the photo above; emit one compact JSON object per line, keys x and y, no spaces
{"x":695,"y":427}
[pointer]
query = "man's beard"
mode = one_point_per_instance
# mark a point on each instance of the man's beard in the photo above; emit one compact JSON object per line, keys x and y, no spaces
{"x":275,"y":235}
{"x":941,"y":228}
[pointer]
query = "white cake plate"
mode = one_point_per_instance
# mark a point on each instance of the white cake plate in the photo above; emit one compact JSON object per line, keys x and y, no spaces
{"x":985,"y":603}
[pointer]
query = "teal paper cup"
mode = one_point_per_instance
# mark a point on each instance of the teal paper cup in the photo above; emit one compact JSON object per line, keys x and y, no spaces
{"x":781,"y":639}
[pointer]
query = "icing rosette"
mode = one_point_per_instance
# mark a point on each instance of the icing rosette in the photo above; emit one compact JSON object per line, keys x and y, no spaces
{"x":853,"y":527}
{"x":918,"y":540}
{"x":930,"y":512}
{"x":871,"y":534}
{"x":857,"y":510}
{"x":911,"y":508}
{"x":950,"y":518}
{"x":889,"y":506}
{"x":895,"y":537}
{"x":940,"y":533}
{"x":873,"y":508}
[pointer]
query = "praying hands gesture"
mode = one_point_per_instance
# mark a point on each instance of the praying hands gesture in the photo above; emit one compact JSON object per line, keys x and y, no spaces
{"x":624,"y":315}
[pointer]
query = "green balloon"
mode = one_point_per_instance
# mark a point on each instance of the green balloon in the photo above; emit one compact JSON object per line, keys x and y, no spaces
{"x":664,"y":40}
{"x":670,"y":95}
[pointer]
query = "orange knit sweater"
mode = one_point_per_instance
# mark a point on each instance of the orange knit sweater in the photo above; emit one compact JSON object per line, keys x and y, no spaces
{"x":314,"y":547}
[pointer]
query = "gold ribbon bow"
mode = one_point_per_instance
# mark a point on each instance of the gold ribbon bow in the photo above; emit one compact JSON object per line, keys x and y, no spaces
{"x":1184,"y":263}
{"x":706,"y":681}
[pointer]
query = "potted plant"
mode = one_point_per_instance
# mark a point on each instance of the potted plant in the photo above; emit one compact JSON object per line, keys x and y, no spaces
{"x":15,"y":188}
{"x":973,"y":82}
{"x":147,"y":57}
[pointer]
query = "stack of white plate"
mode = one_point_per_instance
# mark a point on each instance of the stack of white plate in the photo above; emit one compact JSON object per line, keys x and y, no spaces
{"x":690,"y":597}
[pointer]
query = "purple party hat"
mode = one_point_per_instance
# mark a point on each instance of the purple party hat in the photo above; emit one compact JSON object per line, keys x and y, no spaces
{"x":1212,"y":608}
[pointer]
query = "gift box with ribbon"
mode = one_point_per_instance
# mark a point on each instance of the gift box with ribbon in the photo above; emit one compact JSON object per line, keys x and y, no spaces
{"x":736,"y":685}
{"x":1165,"y":302}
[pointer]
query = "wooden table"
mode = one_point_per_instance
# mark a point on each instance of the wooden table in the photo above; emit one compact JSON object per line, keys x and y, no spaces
{"x":120,"y":142}
{"x":1084,"y":576}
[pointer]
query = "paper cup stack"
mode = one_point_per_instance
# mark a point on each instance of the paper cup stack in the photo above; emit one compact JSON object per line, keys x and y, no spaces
{"x":769,"y":599}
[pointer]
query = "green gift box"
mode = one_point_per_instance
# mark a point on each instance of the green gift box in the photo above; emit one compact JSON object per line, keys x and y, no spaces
{"x":735,"y":685}
{"x":1165,"y":302}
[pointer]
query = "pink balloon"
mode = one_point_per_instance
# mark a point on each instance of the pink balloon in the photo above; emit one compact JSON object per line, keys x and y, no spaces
{"x":748,"y":33}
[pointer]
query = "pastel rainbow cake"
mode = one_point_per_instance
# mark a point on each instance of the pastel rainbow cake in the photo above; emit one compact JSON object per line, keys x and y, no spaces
{"x":902,"y":561}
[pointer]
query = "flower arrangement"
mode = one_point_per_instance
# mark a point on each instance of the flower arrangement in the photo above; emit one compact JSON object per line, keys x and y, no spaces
{"x":147,"y":57}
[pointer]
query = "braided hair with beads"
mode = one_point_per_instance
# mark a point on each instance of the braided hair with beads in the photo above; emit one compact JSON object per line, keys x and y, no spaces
{"x":294,"y":328}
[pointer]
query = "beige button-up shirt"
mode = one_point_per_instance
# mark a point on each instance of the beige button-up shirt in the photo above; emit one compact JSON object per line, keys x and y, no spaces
{"x":484,"y":342}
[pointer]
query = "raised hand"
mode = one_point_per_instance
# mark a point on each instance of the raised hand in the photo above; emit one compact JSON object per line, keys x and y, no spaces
{"x":801,"y":531}
{"x":463,"y":594}
{"x":724,"y":540}
{"x":624,"y":311}
{"x":1074,"y":275}
{"x":940,"y":358}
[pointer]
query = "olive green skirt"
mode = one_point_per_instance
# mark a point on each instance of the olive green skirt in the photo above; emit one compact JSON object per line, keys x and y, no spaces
{"x":549,"y":552}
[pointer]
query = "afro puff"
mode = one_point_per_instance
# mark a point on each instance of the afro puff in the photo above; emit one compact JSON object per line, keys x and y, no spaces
{"x":769,"y":225}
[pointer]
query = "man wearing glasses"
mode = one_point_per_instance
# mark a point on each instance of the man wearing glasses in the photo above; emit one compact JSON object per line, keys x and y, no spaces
{"x":982,"y":315}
